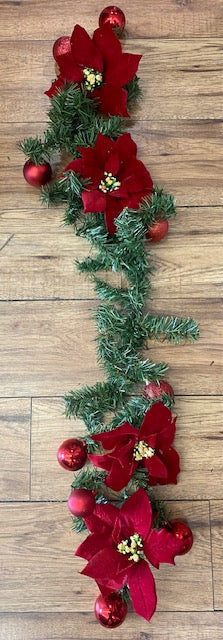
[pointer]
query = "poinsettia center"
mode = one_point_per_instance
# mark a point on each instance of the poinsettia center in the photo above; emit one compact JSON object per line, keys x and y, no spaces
{"x":110,"y":183}
{"x":92,"y":78}
{"x":133,"y":547}
{"x":142,"y":450}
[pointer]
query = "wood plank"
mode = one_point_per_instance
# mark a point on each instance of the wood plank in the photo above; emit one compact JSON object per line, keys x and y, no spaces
{"x":183,"y":156}
{"x":190,"y":221}
{"x":44,"y":267}
{"x":178,"y":82}
{"x":197,"y":440}
{"x":44,"y":575}
{"x":163,"y":18}
{"x":44,"y":350}
{"x":216,"y":511}
{"x":15,"y":449}
{"x":83,"y":626}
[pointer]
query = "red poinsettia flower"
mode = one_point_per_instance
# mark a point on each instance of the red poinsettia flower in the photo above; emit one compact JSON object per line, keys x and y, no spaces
{"x":101,"y":66}
{"x":117,"y":178}
{"x":149,"y":446}
{"x":119,"y":547}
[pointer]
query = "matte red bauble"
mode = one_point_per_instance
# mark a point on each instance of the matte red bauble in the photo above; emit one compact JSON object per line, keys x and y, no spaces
{"x":61,"y":46}
{"x":154,"y":390}
{"x":115,"y":17}
{"x":110,"y":611}
{"x":72,"y":454}
{"x":158,"y":231}
{"x":81,"y":502}
{"x":183,"y":534}
{"x":37,"y":175}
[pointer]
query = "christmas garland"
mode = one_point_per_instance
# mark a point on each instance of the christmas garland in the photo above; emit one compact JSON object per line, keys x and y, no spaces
{"x":110,"y":200}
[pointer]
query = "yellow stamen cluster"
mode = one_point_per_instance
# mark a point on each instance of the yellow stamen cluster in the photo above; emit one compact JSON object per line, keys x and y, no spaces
{"x":109,"y":183}
{"x":133,"y":546}
{"x":142,"y":450}
{"x":92,"y":78}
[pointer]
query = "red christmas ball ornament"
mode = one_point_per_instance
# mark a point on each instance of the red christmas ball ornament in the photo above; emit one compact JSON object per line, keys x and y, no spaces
{"x":115,"y":17}
{"x":61,"y":46}
{"x":37,"y":175}
{"x":154,"y":390}
{"x":110,"y":611}
{"x":81,"y":502}
{"x":183,"y":535}
{"x":72,"y":454}
{"x":158,"y":231}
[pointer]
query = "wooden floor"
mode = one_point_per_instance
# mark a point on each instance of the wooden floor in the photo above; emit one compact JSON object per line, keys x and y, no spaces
{"x":46,"y":345}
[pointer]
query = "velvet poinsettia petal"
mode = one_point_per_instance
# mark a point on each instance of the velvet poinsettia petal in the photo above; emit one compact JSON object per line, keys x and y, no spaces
{"x":120,"y":193}
{"x":157,"y":418}
{"x":136,"y":177}
{"x":142,"y":589}
{"x":112,"y":163}
{"x":69,"y":69}
{"x":104,"y":462}
{"x":84,"y":51}
{"x":76,"y":166}
{"x":55,"y":86}
{"x":104,"y":146}
{"x":160,"y":546}
{"x":113,"y":209}
{"x":111,"y":100}
{"x":166,"y":436}
{"x":155,"y":467}
{"x":134,"y":199}
{"x":119,"y":476}
{"x":123,"y":69}
{"x":125,"y":147}
{"x":94,"y":176}
{"x":170,"y":458}
{"x":103,"y":517}
{"x":89,"y":156}
{"x":108,"y":44}
{"x":108,"y":564}
{"x":136,"y":514}
{"x":94,"y":201}
{"x":91,"y":545}
{"x":110,"y":439}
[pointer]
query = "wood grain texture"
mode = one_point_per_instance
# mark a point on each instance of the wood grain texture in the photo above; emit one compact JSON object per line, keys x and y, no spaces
{"x":45,"y":576}
{"x":216,"y":512}
{"x":163,"y":18}
{"x":47,"y":347}
{"x":178,"y":82}
{"x":83,"y":626}
{"x":15,"y":449}
{"x":184,"y":156}
{"x":198,"y":441}
{"x":45,"y":267}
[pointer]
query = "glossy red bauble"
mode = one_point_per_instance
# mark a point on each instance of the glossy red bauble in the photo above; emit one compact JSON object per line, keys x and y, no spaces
{"x":157,"y":231}
{"x":37,"y":175}
{"x":61,"y":46}
{"x":110,"y":611}
{"x":72,"y":454}
{"x":115,"y":17}
{"x":183,"y":534}
{"x":81,"y":502}
{"x":153,"y":390}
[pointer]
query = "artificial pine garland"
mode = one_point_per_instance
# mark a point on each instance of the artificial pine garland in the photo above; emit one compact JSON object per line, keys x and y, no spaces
{"x":110,"y":200}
